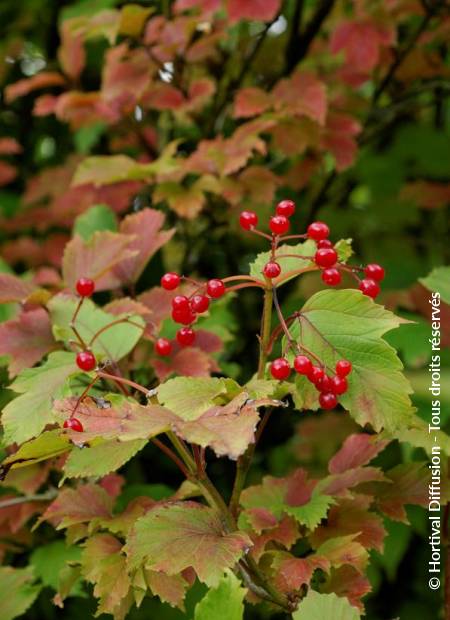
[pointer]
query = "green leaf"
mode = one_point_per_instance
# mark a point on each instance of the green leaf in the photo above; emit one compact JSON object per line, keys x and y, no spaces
{"x":102,"y":458}
{"x":46,"y":446}
{"x":344,"y":249}
{"x":113,"y":344}
{"x":49,"y":560}
{"x":325,"y":607}
{"x":27,"y":415}
{"x":17,"y":593}
{"x":312,"y":513}
{"x":190,"y":397}
{"x":177,"y":535}
{"x":439,"y":280}
{"x":308,"y":248}
{"x":225,"y":602}
{"x":87,"y":137}
{"x":98,"y":217}
{"x":347,"y":324}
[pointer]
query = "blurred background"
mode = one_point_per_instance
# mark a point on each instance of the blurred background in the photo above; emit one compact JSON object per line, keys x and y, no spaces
{"x":341,"y":106}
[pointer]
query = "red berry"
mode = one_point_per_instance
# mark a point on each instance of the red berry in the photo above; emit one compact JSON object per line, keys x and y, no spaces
{"x":272,"y":270}
{"x":200,"y":303}
{"x":328,"y":400}
{"x":185,"y":336}
{"x":85,"y":360}
{"x":248,"y":220}
{"x":324,"y":384}
{"x":332,"y":277}
{"x":325,"y":257}
{"x":181,"y":302}
{"x":285,"y":207}
{"x":279,"y":224}
{"x":280,"y":369}
{"x":74,"y":424}
{"x":369,"y":287}
{"x":339,"y":385}
{"x":324,"y":243}
{"x":185,"y":317}
{"x":375,"y":272}
{"x":343,"y":368}
{"x":215,"y":288}
{"x":163,"y":347}
{"x":315,"y":374}
{"x":318,"y":231}
{"x":302,"y":364}
{"x":85,"y":287}
{"x":170,"y":281}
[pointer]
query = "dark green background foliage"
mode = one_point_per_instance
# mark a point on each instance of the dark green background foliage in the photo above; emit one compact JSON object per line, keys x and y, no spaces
{"x":405,"y":141}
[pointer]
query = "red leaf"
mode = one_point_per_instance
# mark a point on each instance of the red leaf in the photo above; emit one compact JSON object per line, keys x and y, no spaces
{"x":71,"y":53}
{"x":95,"y":259}
{"x":13,"y":289}
{"x":188,"y":362}
{"x":251,"y":101}
{"x":7,"y":173}
{"x":339,"y":139}
{"x":357,"y":450}
{"x":126,"y":76}
{"x":148,"y":238}
{"x":26,"y":339}
{"x":262,"y":10}
{"x":207,"y":7}
{"x":347,"y":582}
{"x":81,"y":505}
{"x":164,"y":97}
{"x":285,"y":533}
{"x":45,"y":105}
{"x":292,"y":573}
{"x":9,"y":146}
{"x":302,"y":94}
{"x":361,"y":42}
{"x":27,"y":85}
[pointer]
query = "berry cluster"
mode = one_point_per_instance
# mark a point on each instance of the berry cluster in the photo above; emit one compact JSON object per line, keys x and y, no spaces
{"x":329,"y":387}
{"x":325,"y":258}
{"x":186,"y":308}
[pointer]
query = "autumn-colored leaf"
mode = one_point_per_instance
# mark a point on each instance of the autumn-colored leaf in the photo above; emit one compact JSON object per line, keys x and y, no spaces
{"x":26,"y":339}
{"x":8,"y":173}
{"x":37,"y":81}
{"x":147,"y":238}
{"x":95,"y":258}
{"x":9,"y":146}
{"x":84,"y":504}
{"x":344,"y":550}
{"x":251,"y":101}
{"x":71,"y":53}
{"x":302,"y":94}
{"x":357,"y":450}
{"x":13,"y":288}
{"x":263,"y":10}
{"x":178,"y":535}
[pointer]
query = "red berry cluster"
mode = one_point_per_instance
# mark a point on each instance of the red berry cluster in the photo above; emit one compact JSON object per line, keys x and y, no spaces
{"x":185,"y":309}
{"x":329,"y":387}
{"x":325,"y":257}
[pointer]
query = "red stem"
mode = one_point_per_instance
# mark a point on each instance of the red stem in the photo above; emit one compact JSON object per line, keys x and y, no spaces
{"x":136,"y":386}
{"x":178,"y":462}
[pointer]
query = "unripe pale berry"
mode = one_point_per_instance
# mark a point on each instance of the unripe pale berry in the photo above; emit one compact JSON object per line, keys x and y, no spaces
{"x":200,"y":303}
{"x":285,"y":207}
{"x":328,"y":400}
{"x":163,"y":347}
{"x":318,"y":231}
{"x":369,"y":287}
{"x":73,"y":424}
{"x":85,"y":287}
{"x":170,"y":281}
{"x":343,"y":368}
{"x":248,"y":220}
{"x":325,"y":257}
{"x":331,"y":276}
{"x":85,"y":360}
{"x":272,"y":270}
{"x":280,"y":369}
{"x":215,"y":288}
{"x":279,"y":224}
{"x":185,"y":336}
{"x":302,"y":364}
{"x":374,"y":272}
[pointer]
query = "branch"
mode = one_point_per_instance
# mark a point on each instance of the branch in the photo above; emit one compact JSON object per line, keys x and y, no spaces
{"x":24,"y":499}
{"x":297,"y":50}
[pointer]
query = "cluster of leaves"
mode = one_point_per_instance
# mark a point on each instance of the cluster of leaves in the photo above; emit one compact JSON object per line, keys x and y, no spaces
{"x":197,"y":107}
